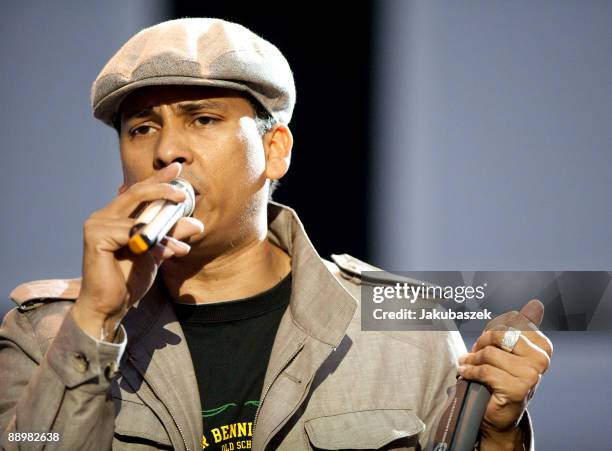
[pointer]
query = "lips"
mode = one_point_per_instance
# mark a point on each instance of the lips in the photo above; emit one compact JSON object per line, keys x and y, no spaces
{"x":189,"y":180}
{"x":197,"y":194}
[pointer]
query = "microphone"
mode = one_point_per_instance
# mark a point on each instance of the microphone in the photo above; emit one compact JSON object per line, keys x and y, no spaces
{"x":158,"y":217}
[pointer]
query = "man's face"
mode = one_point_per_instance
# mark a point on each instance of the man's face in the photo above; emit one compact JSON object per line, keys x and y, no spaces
{"x":213,"y":133}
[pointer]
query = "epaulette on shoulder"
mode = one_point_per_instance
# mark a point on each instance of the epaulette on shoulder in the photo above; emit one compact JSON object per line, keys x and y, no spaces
{"x":360,"y":272}
{"x":33,"y":294}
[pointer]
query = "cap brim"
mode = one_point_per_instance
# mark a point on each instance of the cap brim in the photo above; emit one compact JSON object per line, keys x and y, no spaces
{"x":107,"y":107}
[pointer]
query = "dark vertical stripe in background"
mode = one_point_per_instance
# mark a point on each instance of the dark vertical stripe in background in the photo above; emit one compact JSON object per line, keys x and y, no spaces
{"x":328,"y":48}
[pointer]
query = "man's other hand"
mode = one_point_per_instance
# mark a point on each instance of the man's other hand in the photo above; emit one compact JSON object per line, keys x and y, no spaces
{"x":512,"y":377}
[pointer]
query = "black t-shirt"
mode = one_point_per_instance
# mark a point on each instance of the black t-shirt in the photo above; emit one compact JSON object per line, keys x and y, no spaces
{"x":230,"y":345}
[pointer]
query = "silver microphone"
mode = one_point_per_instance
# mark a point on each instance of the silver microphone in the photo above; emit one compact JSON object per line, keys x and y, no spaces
{"x":158,"y":217}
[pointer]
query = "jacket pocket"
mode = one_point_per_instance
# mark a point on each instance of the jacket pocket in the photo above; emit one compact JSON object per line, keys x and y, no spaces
{"x":137,"y":427}
{"x":366,"y":429}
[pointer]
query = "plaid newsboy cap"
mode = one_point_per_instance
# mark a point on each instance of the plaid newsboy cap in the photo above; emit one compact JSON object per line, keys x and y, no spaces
{"x":201,"y":52}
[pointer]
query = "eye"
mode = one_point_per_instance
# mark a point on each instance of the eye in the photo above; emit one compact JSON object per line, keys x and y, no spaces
{"x":205,"y":120}
{"x":141,"y":130}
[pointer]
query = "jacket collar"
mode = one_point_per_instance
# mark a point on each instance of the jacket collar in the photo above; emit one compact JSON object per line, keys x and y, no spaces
{"x":319,"y":305}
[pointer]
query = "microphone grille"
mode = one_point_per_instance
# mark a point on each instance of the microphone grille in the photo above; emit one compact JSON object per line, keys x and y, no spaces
{"x":190,"y":201}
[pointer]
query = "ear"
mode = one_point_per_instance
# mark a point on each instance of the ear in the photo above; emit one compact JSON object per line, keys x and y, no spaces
{"x":278,"y":143}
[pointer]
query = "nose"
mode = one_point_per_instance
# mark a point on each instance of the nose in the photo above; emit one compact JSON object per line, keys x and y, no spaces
{"x":171,"y":146}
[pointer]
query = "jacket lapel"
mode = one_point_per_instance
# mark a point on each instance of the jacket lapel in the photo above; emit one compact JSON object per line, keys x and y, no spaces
{"x":319,"y":313}
{"x":158,"y":351}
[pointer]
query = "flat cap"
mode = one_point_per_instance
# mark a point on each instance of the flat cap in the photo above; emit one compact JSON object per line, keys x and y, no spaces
{"x":201,"y":52}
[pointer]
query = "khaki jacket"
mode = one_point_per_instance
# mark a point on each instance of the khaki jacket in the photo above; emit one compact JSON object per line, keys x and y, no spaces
{"x":328,"y":384}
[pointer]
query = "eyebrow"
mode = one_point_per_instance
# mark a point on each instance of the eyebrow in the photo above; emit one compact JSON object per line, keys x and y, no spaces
{"x":183,"y":108}
{"x":137,"y":114}
{"x":190,"y":107}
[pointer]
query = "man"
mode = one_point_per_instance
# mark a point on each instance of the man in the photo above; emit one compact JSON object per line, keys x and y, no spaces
{"x":243,"y":338}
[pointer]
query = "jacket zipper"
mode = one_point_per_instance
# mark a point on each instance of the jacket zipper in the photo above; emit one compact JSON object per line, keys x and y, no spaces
{"x":154,"y":391}
{"x":332,"y":348}
{"x":267,"y":388}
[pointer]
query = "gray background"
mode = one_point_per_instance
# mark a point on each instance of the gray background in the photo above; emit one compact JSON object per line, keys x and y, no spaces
{"x":58,"y":164}
{"x":491,"y":136}
{"x":494,"y":152}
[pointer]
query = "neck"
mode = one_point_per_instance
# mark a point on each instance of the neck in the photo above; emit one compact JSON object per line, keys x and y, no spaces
{"x":245,"y":271}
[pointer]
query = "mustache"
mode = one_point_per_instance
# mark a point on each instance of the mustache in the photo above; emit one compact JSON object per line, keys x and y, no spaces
{"x":196,"y":180}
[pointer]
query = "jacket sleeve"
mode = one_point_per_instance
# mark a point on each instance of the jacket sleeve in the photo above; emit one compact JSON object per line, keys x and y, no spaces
{"x":441,"y":375}
{"x":527,"y":431}
{"x":65,"y":390}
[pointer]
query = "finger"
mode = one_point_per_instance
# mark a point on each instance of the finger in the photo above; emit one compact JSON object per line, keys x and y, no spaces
{"x":496,"y":379}
{"x":533,"y":311}
{"x":165,"y":174}
{"x":186,"y":227}
{"x":179,"y":248}
{"x":127,"y":203}
{"x":524,"y":347}
{"x":160,"y":253}
{"x":106,"y":234}
{"x":494,"y":338}
{"x":541,"y":341}
{"x":167,"y":248}
{"x":520,"y":367}
{"x":99,"y":221}
{"x":172,"y":171}
{"x":539,"y":357}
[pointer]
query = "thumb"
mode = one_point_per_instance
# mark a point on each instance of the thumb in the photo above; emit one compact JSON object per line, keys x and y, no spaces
{"x":533,"y":311}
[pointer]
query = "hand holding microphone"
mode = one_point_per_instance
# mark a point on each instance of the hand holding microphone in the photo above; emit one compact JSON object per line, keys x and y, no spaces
{"x":498,"y":378}
{"x":114,"y":277}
